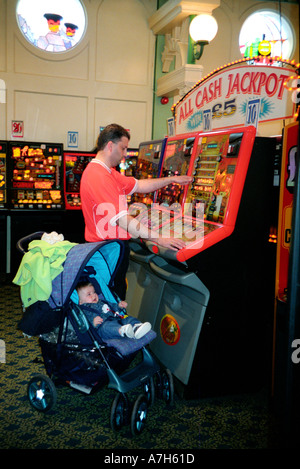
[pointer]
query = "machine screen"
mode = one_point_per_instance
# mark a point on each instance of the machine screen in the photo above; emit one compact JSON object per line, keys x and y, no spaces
{"x":176,"y":161}
{"x":148,"y":166}
{"x":74,"y":165}
{"x":36,"y":175}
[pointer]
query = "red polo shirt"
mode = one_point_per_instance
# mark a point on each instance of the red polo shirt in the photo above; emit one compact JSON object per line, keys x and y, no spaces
{"x":103,"y":193}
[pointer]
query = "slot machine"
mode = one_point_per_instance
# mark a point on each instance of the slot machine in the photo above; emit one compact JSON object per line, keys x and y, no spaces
{"x":148,"y":165}
{"x":282,"y":318}
{"x":212,"y":326}
{"x":73,"y":166}
{"x":74,"y":163}
{"x":3,"y":206}
{"x":203,"y":217}
{"x":160,"y":158}
{"x":35,"y":192}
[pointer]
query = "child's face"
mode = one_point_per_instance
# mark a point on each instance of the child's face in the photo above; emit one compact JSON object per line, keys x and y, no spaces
{"x":87,"y":295}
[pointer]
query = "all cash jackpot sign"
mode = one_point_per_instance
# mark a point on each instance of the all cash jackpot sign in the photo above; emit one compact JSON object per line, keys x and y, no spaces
{"x":234,"y":96}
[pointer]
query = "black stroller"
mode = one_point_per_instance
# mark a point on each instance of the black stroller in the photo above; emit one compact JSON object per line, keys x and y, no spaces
{"x":72,"y":353}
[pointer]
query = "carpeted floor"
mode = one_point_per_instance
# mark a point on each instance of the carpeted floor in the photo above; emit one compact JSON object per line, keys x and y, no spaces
{"x":81,"y":421}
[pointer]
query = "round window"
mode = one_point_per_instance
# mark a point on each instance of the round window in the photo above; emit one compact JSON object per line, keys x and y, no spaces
{"x":51,"y":25}
{"x":266,"y":33}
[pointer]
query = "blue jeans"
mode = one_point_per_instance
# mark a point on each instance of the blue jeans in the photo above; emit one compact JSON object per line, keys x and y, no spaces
{"x":109,"y":329}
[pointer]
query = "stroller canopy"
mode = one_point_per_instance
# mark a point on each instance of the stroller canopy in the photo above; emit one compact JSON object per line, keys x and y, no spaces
{"x":103,"y":260}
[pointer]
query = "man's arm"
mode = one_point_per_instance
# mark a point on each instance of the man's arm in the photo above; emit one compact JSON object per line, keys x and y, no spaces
{"x":138,"y":230}
{"x":150,"y":185}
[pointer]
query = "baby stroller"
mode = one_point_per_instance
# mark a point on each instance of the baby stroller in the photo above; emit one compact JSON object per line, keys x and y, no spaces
{"x":72,"y":353}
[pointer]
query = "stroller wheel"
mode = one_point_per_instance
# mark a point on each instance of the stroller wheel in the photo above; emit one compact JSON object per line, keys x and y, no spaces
{"x":149,"y":390}
{"x":41,"y":393}
{"x":139,"y":415}
{"x":167,"y":387}
{"x":119,"y":412}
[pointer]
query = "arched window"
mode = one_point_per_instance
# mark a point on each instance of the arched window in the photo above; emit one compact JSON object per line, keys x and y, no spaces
{"x":266,"y":33}
{"x":52,"y":25}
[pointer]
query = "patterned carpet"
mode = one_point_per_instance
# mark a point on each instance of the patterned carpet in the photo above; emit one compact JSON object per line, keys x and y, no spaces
{"x":83,"y":421}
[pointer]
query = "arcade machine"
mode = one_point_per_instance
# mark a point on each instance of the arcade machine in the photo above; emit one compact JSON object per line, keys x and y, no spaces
{"x":216,"y":308}
{"x":35,"y":199}
{"x":3,"y":207}
{"x":148,"y":166}
{"x":74,"y":163}
{"x":139,"y":276}
{"x":161,"y":158}
{"x":282,"y":347}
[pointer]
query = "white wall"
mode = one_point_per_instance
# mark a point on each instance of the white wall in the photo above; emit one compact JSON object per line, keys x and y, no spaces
{"x":107,"y":78}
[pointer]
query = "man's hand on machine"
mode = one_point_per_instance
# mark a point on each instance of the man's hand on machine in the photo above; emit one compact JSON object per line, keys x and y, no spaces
{"x":182,"y":180}
{"x":171,"y":243}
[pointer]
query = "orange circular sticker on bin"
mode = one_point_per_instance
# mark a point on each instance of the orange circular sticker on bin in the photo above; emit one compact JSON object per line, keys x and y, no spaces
{"x":169,"y":330}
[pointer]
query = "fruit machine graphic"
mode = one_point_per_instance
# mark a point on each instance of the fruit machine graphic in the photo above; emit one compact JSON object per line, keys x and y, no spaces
{"x":148,"y":165}
{"x":36,"y":176}
{"x":73,"y":166}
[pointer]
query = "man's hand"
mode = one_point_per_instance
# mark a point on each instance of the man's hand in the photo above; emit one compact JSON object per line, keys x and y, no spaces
{"x":171,"y":243}
{"x":182,"y":180}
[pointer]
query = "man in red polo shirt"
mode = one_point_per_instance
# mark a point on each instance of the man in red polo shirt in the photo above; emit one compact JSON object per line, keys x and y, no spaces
{"x":104,"y":191}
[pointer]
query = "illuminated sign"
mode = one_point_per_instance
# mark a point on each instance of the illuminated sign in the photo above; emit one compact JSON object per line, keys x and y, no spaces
{"x":227,"y":93}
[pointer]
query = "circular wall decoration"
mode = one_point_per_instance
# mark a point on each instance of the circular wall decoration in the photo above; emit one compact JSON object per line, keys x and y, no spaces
{"x":52,"y":25}
{"x":266,"y":33}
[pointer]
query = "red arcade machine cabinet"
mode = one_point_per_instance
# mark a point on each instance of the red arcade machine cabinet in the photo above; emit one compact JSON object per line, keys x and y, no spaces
{"x":214,"y":319}
{"x":219,"y":164}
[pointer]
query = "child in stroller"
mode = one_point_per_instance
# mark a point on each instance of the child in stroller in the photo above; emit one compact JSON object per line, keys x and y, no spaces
{"x":74,"y":354}
{"x":107,"y":319}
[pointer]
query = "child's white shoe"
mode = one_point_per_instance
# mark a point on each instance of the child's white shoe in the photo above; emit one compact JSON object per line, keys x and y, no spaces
{"x":141,"y":329}
{"x":127,"y":331}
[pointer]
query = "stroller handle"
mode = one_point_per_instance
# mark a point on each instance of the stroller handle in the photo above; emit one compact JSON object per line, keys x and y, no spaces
{"x":22,"y":244}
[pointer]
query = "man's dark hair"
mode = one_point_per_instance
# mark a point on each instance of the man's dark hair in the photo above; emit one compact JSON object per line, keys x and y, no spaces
{"x":111,"y":133}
